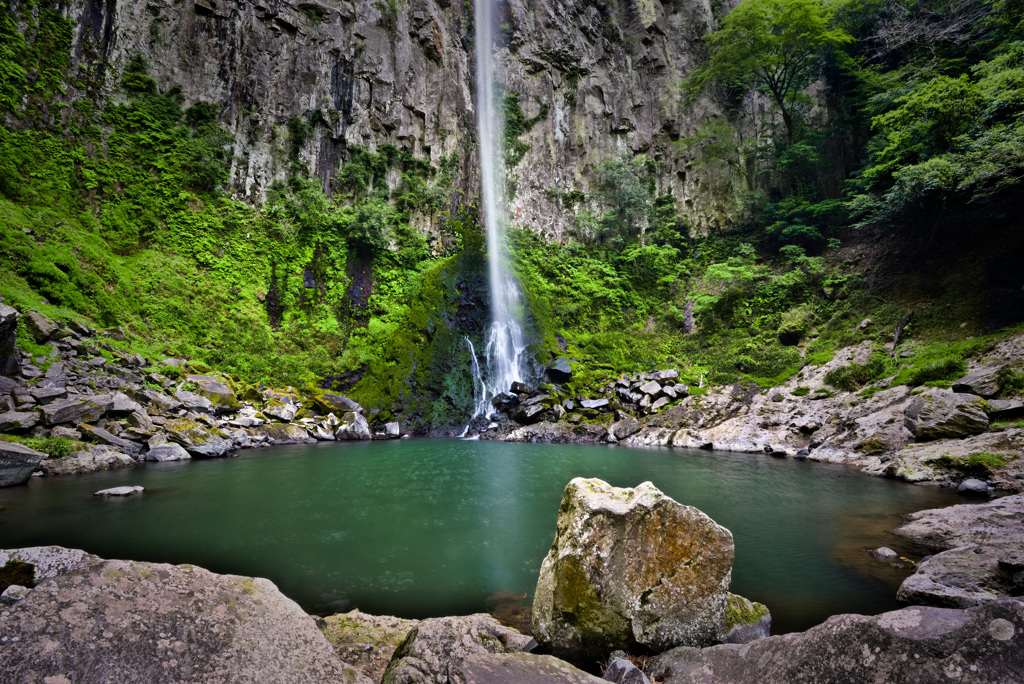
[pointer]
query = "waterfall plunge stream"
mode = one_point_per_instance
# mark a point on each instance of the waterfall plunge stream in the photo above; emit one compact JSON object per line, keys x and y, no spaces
{"x":505,"y":343}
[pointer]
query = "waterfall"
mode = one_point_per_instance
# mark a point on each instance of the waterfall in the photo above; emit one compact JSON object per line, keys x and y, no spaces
{"x":505,"y":343}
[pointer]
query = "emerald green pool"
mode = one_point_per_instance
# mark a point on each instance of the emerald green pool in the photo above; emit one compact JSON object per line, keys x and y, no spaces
{"x":433,"y":527}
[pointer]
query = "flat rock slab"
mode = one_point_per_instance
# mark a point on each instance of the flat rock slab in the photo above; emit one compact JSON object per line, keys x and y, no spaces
{"x":966,"y":576}
{"x":520,"y":668}
{"x":89,"y":460}
{"x":917,"y":645}
{"x":120,"y":491}
{"x":49,"y":561}
{"x":129,"y":622}
{"x":167,"y":452}
{"x":998,"y":521}
{"x":939,"y":413}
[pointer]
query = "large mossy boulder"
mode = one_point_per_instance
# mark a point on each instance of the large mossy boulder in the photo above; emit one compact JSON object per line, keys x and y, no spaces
{"x":938,"y":414}
{"x":631,"y":569}
{"x":17,"y":462}
{"x":124,"y":621}
{"x":353,"y":427}
{"x":199,"y":440}
{"x":329,"y":402}
{"x":218,"y":392}
{"x":434,"y":649}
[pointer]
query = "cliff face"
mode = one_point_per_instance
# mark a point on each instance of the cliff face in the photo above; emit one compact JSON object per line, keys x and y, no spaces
{"x":599,"y":79}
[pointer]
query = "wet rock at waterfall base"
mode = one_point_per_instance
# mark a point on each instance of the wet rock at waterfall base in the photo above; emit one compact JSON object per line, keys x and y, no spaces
{"x":631,"y":569}
{"x":560,"y":371}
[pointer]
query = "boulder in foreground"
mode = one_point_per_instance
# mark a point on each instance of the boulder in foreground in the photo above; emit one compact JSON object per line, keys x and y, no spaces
{"x":917,"y":645}
{"x":128,"y":622}
{"x":631,"y":569}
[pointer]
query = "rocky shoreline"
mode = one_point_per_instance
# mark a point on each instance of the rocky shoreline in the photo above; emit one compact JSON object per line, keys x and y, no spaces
{"x":918,"y":435}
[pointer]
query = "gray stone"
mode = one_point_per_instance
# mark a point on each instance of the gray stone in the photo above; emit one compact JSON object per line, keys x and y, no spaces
{"x":631,"y":569}
{"x":962,"y":577}
{"x":336,"y":403}
{"x":100,"y":436}
{"x":660,"y":403}
{"x":167,"y":452}
{"x":560,"y":371}
{"x":624,"y":428}
{"x":885,"y":553}
{"x":283,"y":411}
{"x":437,"y":646}
{"x":973,"y":486}
{"x":529,"y":414}
{"x":662,"y":376}
{"x":48,"y":561}
{"x":916,"y":645}
{"x":220,"y":395}
{"x":123,"y":406}
{"x":283,"y":433}
{"x":652,"y":388}
{"x":519,"y":668}
{"x":46,"y":395}
{"x":126,"y":490}
{"x":622,"y":671}
{"x":1005,"y":409}
{"x":62,"y":432}
{"x":195,"y":402}
{"x":353,"y":427}
{"x":594,"y":404}
{"x":123,"y":621}
{"x":9,"y":360}
{"x":17,"y":462}
{"x":983,"y":382}
{"x":91,"y":459}
{"x":746,"y":620}
{"x":998,"y":521}
{"x":13,"y":594}
{"x":364,"y":641}
{"x":18,"y":421}
{"x":200,"y":441}
{"x":938,"y":413}
{"x":393,"y":430}
{"x":77,"y":410}
{"x":97,"y":362}
{"x":40,"y":327}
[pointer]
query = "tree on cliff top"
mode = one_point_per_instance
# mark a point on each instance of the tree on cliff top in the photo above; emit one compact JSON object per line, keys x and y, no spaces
{"x":775,"y":45}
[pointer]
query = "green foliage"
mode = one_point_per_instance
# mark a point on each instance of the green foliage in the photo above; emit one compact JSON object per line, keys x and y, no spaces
{"x":771,"y":44}
{"x":980,"y":464}
{"x":853,"y":376}
{"x":52,"y":447}
{"x":1011,"y":381}
{"x":941,"y":372}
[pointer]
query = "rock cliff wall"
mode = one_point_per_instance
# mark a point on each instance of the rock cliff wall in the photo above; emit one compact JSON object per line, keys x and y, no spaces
{"x":598,"y":78}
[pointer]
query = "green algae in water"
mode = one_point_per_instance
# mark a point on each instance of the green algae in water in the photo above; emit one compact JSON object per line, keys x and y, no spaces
{"x":434,"y":527}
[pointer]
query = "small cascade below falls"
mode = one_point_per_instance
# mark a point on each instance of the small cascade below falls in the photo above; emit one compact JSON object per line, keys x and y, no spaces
{"x":505,"y":342}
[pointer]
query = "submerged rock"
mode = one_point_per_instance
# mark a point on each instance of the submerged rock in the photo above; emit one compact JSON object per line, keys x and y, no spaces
{"x":631,"y":569}
{"x":124,"y":621}
{"x":436,"y":647}
{"x":120,"y":491}
{"x":913,"y":645}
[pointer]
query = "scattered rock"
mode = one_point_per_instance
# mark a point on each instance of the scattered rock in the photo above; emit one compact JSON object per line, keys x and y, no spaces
{"x":366,"y":642}
{"x":41,"y":328}
{"x":79,"y":410}
{"x":48,"y":561}
{"x":392,"y":430}
{"x":45,"y":395}
{"x":938,"y":413}
{"x":284,"y":412}
{"x":560,"y":371}
{"x":973,"y":486}
{"x":101,"y":436}
{"x":594,"y":404}
{"x":519,"y":668}
{"x":17,"y":462}
{"x":1005,"y":409}
{"x":983,"y":382}
{"x":437,"y":646}
{"x":195,"y":402}
{"x":167,"y":452}
{"x":219,"y":394}
{"x":120,"y":491}
{"x":632,"y":569}
{"x":652,"y":388}
{"x":91,"y":459}
{"x":624,"y":428}
{"x":123,"y":621}
{"x":18,"y":421}
{"x":62,"y":432}
{"x":353,"y":427}
{"x":529,"y":414}
{"x":746,"y":620}
{"x":917,"y":644}
{"x":998,"y":521}
{"x":622,"y":671}
{"x":13,"y":594}
{"x":962,"y":577}
{"x":283,"y":433}
{"x":336,"y":403}
{"x":200,"y":441}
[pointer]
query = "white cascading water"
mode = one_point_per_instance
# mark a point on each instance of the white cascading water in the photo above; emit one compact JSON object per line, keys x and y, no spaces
{"x":505,"y":344}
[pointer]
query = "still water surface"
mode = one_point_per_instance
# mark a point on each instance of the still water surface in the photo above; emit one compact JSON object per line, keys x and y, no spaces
{"x":433,"y":527}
